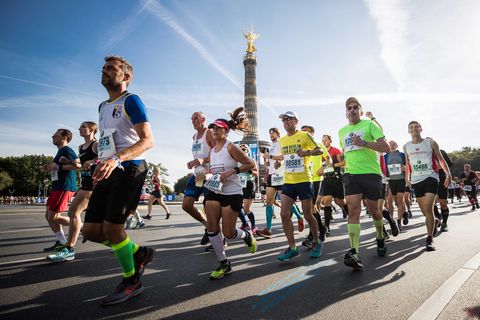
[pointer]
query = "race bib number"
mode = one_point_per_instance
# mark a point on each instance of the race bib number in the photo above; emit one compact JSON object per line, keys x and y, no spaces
{"x":54,"y":175}
{"x":328,"y":169}
{"x":106,"y":144}
{"x":277,"y":179}
{"x":294,"y":163}
{"x":243,"y":180}
{"x":467,"y":188}
{"x":197,"y":149}
{"x":421,"y":167}
{"x":395,"y":169}
{"x":214,"y":184}
{"x":348,"y":141}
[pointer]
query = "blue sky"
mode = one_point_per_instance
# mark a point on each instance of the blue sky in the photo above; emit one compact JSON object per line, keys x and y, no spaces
{"x":404,"y":60}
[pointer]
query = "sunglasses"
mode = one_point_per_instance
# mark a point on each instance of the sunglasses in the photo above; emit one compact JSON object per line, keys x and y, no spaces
{"x":286,"y":119}
{"x":353,"y":108}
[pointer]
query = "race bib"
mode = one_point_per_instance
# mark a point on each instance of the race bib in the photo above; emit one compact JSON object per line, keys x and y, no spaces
{"x":294,"y":163}
{"x":395,"y":169}
{"x":328,"y":169}
{"x":214,"y":184}
{"x":277,"y":179}
{"x":467,"y":188}
{"x":243,"y":180}
{"x":106,"y":144}
{"x":54,"y":175}
{"x":197,"y":149}
{"x":348,"y":141}
{"x":422,"y":167}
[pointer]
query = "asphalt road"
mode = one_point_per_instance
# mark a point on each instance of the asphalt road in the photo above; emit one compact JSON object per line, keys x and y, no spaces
{"x":408,"y":282}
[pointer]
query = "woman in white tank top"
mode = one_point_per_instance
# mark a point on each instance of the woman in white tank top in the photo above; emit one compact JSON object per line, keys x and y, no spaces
{"x":223,"y":201}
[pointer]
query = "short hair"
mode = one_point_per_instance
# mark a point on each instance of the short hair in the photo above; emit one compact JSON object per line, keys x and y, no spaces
{"x":274,"y":130}
{"x":126,"y":66}
{"x":327,"y":136}
{"x":66,"y":134}
{"x":200,"y":113}
{"x":413,"y":121}
{"x":92,"y":126}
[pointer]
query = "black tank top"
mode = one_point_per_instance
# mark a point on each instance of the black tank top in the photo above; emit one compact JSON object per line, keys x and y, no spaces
{"x":86,"y":154}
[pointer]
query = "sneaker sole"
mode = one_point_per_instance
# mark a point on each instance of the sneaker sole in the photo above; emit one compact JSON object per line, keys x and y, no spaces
{"x":352,"y":263}
{"x":430,"y":249}
{"x":394,"y":228}
{"x":134,"y":294}
{"x":283,"y":260}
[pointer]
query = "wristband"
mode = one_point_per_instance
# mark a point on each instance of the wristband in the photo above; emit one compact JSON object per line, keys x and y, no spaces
{"x":237,"y":170}
{"x":117,"y":160}
{"x":373,"y":118}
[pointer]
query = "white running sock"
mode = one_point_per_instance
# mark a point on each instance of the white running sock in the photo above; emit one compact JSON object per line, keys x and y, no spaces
{"x":61,"y":236}
{"x":217,"y":243}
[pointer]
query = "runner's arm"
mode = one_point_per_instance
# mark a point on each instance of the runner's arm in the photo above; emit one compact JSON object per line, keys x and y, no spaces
{"x":442,"y":162}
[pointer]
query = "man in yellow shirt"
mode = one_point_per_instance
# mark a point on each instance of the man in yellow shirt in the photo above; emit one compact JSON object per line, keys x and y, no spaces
{"x":297,"y":147}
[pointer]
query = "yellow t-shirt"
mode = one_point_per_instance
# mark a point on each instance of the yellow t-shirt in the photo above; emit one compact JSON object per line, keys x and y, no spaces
{"x":297,"y":169}
{"x":317,"y":162}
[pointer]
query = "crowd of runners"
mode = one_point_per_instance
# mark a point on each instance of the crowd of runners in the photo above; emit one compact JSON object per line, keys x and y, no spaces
{"x":366,"y":170}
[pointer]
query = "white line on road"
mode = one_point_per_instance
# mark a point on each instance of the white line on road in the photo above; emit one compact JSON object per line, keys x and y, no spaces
{"x":24,"y":230}
{"x":22,"y":261}
{"x":432,"y":307}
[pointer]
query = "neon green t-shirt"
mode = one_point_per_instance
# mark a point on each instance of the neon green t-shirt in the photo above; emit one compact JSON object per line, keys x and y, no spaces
{"x":297,"y":169}
{"x":360,"y":160}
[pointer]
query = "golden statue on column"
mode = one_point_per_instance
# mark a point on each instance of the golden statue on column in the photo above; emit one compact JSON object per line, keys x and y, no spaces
{"x":251,"y":36}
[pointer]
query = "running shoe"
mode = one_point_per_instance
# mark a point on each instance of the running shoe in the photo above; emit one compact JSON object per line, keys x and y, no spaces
{"x":56,"y":246}
{"x":393,"y":227}
{"x":251,"y":242}
{"x":128,"y":223}
{"x":142,"y":257}
{"x":205,"y":238}
{"x":222,"y":269}
{"x":352,"y":259}
{"x":381,"y":247}
{"x":301,"y":225}
{"x":267,"y":234}
{"x":62,"y":255}
{"x":405,"y":218}
{"x":436,"y":224}
{"x":140,"y":225}
{"x":444,"y":227}
{"x":288,"y":254}
{"x":308,"y":242}
{"x":327,"y":231}
{"x":245,"y":227}
{"x":399,"y":225}
{"x":429,"y":244}
{"x":148,"y":217}
{"x":316,"y":250}
{"x":168,"y":216}
{"x":127,"y":289}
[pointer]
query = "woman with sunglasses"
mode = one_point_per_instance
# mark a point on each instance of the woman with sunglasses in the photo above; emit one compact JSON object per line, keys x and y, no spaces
{"x":223,"y":200}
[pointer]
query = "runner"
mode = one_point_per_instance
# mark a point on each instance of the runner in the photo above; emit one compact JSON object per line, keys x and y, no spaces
{"x":469,"y":179}
{"x":88,"y":156}
{"x":157,"y":194}
{"x":64,"y":184}
{"x":125,"y":136}
{"x":458,"y":189}
{"x":395,"y":165}
{"x":316,"y":167}
{"x":223,"y":200}
{"x":276,"y":171}
{"x":361,"y":140}
{"x":422,"y":174}
{"x":203,"y":142}
{"x":247,"y":180}
{"x":443,"y":194}
{"x":297,"y":147}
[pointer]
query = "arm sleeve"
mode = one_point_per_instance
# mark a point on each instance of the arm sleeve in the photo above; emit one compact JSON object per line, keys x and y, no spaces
{"x":135,"y":109}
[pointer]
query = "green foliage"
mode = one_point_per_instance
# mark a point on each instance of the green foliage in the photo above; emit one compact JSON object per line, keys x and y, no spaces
{"x":163,"y":172}
{"x":466,"y":155}
{"x":181,"y":183}
{"x":5,"y":180}
{"x":27,"y":174}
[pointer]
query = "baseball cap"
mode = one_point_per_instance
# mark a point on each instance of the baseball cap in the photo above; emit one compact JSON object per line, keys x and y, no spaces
{"x":290,"y":114}
{"x":222,"y":123}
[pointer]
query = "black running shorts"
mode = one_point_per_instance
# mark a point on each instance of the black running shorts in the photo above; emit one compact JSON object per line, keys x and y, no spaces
{"x":429,"y":185}
{"x":370,"y":185}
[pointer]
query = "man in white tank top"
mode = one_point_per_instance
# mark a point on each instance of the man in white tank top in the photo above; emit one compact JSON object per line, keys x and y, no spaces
{"x":422,"y":174}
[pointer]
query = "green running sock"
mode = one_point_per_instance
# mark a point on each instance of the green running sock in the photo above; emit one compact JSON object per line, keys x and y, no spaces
{"x":379,"y":228}
{"x":354,"y":235}
{"x":124,"y":253}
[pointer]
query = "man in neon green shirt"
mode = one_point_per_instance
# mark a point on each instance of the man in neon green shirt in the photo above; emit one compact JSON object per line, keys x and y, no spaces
{"x":361,"y":141}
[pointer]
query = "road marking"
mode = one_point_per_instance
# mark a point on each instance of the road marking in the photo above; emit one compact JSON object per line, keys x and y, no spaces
{"x":24,"y":230}
{"x":432,"y":307}
{"x":22,"y":261}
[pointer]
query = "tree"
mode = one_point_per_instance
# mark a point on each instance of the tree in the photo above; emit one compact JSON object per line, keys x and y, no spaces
{"x":27,"y":173}
{"x":181,"y":184}
{"x":5,"y":180}
{"x":163,"y":172}
{"x":466,"y":155}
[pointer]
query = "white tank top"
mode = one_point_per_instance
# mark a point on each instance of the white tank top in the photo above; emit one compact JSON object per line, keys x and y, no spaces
{"x":222,"y":161}
{"x":275,"y":151}
{"x":200,"y":147}
{"x":422,"y":165}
